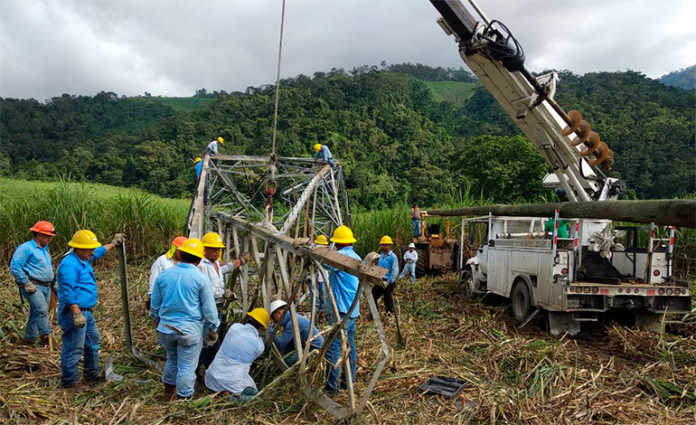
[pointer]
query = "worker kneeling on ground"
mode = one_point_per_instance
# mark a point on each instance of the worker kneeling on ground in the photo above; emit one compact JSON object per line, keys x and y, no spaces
{"x":285,"y":341}
{"x":163,"y":262}
{"x":387,"y":260}
{"x":212,"y":269}
{"x":410,"y":260}
{"x":241,"y":346}
{"x":183,"y":305}
{"x":345,"y":289}
{"x":77,"y":296}
{"x":33,"y":272}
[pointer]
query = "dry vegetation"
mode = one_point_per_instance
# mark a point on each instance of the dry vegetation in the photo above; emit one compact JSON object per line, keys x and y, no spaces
{"x":611,"y":374}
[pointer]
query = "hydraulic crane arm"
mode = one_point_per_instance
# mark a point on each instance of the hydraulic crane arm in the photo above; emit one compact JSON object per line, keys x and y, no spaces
{"x":565,"y":140}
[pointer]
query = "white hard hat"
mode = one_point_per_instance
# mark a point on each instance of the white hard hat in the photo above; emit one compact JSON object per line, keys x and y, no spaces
{"x":411,"y":245}
{"x":275,"y":305}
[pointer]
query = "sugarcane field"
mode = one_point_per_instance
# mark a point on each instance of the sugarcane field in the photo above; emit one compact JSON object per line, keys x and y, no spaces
{"x":506,"y":236}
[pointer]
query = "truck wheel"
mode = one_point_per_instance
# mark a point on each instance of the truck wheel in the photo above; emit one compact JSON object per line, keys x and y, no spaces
{"x":521,"y":301}
{"x":468,"y":282}
{"x":423,"y":263}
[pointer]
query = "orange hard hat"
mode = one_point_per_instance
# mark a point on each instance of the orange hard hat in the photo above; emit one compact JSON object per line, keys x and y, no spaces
{"x":179,"y":240}
{"x":44,"y":227}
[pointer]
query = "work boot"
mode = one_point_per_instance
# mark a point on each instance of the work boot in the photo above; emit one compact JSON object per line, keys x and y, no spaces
{"x":28,"y":341}
{"x":94,"y":380}
{"x":45,"y":340}
{"x":76,"y":388}
{"x":169,"y":393}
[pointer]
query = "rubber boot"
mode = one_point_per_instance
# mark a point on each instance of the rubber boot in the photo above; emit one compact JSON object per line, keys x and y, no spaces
{"x":169,"y":393}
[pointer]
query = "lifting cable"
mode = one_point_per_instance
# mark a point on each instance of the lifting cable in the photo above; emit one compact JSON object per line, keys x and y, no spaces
{"x":270,"y":183}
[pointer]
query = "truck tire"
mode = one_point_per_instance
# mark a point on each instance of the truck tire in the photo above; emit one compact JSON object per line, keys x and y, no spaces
{"x":423,"y":263}
{"x":521,"y":301}
{"x":467,"y":281}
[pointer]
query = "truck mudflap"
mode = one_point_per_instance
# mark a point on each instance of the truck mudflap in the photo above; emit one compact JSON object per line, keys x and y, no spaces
{"x":601,"y":298}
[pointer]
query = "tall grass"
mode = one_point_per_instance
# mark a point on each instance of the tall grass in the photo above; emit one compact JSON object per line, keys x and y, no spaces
{"x":148,"y":221}
{"x":370,"y":226}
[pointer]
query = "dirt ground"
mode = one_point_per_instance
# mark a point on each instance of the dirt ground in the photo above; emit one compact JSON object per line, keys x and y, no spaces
{"x":609,"y":374}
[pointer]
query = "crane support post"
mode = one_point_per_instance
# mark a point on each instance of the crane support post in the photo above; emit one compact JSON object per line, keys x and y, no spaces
{"x":675,"y":212}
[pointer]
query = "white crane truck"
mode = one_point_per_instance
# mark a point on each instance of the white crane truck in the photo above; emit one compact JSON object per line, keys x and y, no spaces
{"x":586,"y":273}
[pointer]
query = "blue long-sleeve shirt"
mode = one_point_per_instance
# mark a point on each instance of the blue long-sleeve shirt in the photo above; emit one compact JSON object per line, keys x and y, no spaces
{"x":31,"y":262}
{"x":182,"y":298}
{"x":324,"y":154}
{"x":285,"y":342}
{"x":345,"y":285}
{"x":391,"y":263}
{"x":199,"y":168}
{"x":76,"y":282}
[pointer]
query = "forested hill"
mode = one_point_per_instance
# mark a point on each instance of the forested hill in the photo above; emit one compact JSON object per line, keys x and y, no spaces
{"x":684,"y":78}
{"x":403,"y":132}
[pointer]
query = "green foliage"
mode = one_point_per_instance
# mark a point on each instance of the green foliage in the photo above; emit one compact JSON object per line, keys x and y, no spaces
{"x":454,"y":92}
{"x":403,"y":133}
{"x":149,"y":221}
{"x":501,"y":168}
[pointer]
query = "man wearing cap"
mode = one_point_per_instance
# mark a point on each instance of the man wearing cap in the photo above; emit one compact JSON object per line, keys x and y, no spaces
{"x":33,"y":272}
{"x":212,"y":269}
{"x":387,"y":260}
{"x":285,"y":341}
{"x":163,"y":262}
{"x":345,"y":289}
{"x":243,"y":344}
{"x":183,"y":305}
{"x":77,"y":296}
{"x":410,"y":260}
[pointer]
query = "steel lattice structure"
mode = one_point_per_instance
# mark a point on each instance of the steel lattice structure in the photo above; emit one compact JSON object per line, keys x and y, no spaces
{"x":269,"y":211}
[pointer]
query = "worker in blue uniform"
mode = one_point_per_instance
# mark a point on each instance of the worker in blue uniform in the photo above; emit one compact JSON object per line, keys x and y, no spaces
{"x":345,"y":290}
{"x":285,"y":340}
{"x":389,"y":261}
{"x":32,"y":270}
{"x":183,"y":305}
{"x":77,"y":296}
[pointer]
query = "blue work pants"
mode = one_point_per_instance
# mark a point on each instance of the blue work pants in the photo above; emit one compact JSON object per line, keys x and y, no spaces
{"x":416,"y":228}
{"x":333,"y":353}
{"x":182,"y":360}
{"x":409,"y":268}
{"x":79,"y":342}
{"x":38,"y":311}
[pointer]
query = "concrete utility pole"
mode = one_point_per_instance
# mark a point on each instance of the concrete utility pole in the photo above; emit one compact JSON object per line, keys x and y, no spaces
{"x":674,"y":212}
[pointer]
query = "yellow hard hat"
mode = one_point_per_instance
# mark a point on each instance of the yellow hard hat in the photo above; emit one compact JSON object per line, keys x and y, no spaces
{"x":386,"y":240}
{"x":221,"y":140}
{"x":321,"y":240}
{"x":198,"y":159}
{"x":343,"y":234}
{"x":317,"y":147}
{"x":260,"y":315}
{"x":194,"y":247}
{"x":212,"y":240}
{"x":84,"y":239}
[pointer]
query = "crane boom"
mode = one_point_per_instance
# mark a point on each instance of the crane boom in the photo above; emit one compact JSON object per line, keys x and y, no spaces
{"x":567,"y":142}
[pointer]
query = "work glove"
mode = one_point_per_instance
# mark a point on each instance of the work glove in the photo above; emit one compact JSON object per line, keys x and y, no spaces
{"x":29,"y":287}
{"x":119,"y":238}
{"x":79,"y":320}
{"x":212,"y":337}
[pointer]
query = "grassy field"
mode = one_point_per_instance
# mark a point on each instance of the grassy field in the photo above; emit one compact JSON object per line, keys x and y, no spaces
{"x":148,"y":220}
{"x":455,"y":92}
{"x":611,"y":374}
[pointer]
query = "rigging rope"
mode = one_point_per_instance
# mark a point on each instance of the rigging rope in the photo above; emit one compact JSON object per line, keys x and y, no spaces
{"x":277,"y":85}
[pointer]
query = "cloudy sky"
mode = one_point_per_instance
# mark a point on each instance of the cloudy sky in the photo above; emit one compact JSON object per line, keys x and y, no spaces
{"x":173,"y":47}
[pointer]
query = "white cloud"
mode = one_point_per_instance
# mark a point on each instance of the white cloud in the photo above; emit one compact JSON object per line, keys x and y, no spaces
{"x":175,"y":47}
